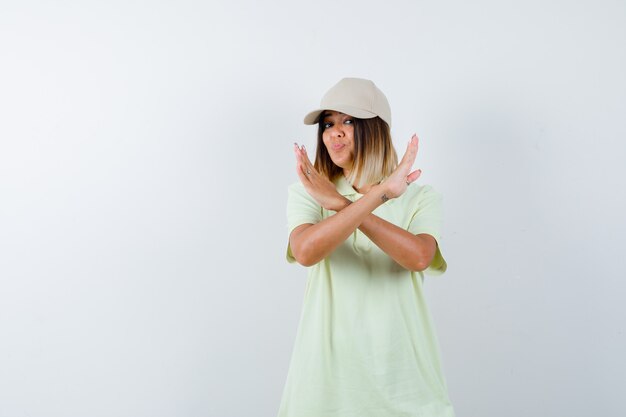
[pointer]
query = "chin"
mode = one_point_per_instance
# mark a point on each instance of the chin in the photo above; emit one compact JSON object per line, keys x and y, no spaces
{"x":341,"y":162}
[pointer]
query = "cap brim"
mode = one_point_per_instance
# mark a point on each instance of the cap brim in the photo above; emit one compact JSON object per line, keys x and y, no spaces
{"x":313,"y":117}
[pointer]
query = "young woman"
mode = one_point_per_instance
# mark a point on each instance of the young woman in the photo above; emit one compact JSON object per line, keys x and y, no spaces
{"x":366,"y":345}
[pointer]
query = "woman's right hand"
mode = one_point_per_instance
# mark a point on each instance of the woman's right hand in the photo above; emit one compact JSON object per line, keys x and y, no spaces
{"x":318,"y":186}
{"x":396,"y":184}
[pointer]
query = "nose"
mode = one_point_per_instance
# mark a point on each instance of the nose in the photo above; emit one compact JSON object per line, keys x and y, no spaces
{"x":337,"y":130}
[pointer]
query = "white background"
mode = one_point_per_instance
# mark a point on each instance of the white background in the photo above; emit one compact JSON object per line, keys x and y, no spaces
{"x":145,"y":152}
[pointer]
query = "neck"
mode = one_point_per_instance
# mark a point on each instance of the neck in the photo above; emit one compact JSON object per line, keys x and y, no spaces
{"x":362,"y":189}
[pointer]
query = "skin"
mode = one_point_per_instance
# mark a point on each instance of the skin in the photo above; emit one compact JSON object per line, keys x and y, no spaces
{"x":310,"y":243}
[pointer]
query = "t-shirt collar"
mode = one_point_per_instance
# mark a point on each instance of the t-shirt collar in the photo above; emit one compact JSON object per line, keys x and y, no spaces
{"x":344,"y":187}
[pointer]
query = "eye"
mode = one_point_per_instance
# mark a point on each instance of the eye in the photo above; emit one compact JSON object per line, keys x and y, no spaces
{"x":349,"y":121}
{"x":327,"y":125}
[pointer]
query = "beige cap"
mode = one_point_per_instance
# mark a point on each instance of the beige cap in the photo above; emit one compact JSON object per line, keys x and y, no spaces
{"x":354,"y":96}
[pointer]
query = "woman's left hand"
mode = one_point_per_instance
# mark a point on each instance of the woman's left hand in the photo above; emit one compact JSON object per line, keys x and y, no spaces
{"x":397,"y":183}
{"x":318,"y":186}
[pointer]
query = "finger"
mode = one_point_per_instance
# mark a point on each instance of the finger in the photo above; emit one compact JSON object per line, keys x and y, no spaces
{"x":304,"y":178}
{"x":301,"y":168}
{"x":416,"y":141}
{"x":305,"y":165}
{"x":299,"y":162}
{"x":413,"y":176}
{"x":305,"y":154}
{"x":411,"y":152}
{"x":403,"y":160}
{"x":307,"y":162}
{"x":417,"y":144}
{"x":302,"y":157}
{"x":296,"y":151}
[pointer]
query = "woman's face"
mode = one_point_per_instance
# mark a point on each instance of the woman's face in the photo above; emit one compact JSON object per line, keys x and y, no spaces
{"x":338,"y":137}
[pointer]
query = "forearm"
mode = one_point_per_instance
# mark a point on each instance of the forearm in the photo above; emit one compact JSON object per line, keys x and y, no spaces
{"x":313,"y":243}
{"x":413,"y":252}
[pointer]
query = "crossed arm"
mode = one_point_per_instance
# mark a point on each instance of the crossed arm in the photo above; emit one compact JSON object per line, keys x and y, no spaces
{"x":310,"y":243}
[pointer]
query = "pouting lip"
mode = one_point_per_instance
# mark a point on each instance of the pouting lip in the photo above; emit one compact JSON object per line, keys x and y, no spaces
{"x":337,"y":146}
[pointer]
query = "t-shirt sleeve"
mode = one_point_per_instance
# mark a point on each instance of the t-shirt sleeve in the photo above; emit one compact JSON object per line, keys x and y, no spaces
{"x":301,"y":209}
{"x":428,"y":218}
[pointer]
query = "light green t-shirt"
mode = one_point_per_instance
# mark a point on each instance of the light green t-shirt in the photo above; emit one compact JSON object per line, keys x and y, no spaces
{"x":366,"y":345}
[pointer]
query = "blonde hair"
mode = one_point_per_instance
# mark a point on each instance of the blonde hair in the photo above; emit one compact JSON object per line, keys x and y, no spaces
{"x":374,"y":155}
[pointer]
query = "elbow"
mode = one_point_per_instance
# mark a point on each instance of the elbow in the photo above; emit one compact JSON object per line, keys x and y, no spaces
{"x":421,"y":257}
{"x":419,"y":263}
{"x":305,"y":262}
{"x":420,"y":266}
{"x":304,"y":258}
{"x":304,"y":255}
